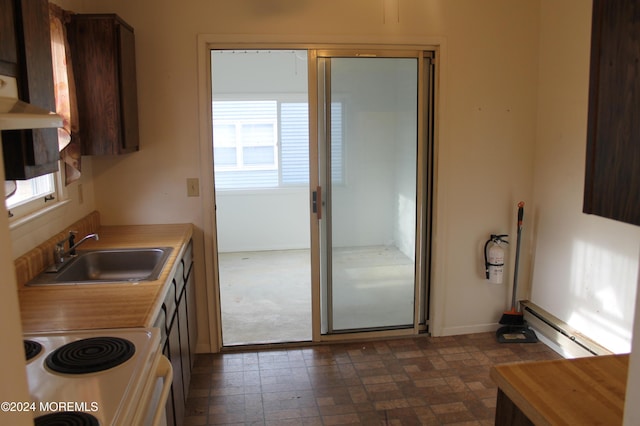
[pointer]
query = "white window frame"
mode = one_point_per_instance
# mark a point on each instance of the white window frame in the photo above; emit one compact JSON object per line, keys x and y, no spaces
{"x":241,"y":143}
{"x":34,"y":206}
{"x":280,"y":99}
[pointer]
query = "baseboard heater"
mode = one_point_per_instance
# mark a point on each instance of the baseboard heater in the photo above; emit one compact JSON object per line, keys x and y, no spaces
{"x":569,"y":342}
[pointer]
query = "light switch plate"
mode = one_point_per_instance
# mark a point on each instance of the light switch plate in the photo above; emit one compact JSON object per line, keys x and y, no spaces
{"x":193,"y":187}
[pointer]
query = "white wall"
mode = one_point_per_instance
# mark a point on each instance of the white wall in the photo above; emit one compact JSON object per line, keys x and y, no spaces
{"x":486,"y":119}
{"x":586,"y":267}
{"x":263,"y":220}
{"x":631,"y":410}
{"x":489,"y":122}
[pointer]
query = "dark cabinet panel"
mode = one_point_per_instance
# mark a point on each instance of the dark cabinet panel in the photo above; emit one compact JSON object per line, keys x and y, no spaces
{"x":184,"y":343}
{"x":169,"y":408}
{"x":612,"y":179}
{"x":178,"y":328}
{"x":8,"y":46}
{"x":508,"y":413}
{"x":190,"y":288}
{"x":103,"y":53}
{"x":177,"y":387}
{"x":128,"y":90}
{"x":31,"y":153}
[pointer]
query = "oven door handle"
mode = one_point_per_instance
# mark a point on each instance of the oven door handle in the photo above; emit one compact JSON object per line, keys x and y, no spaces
{"x":164,"y":371}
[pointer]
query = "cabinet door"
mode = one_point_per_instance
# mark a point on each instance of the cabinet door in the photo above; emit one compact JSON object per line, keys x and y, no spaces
{"x":176,"y":362}
{"x":612,"y":179}
{"x":103,"y":53}
{"x":128,"y":90}
{"x":174,"y":318}
{"x":184,"y":343}
{"x":191,"y":314}
{"x":31,"y":153}
{"x":8,"y":46}
{"x":190,"y":300}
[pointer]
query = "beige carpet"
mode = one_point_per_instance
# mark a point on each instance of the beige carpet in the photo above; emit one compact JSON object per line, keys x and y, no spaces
{"x":266,"y":295}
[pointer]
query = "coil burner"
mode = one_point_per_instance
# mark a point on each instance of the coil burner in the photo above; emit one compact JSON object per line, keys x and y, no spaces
{"x":31,"y":349}
{"x":90,"y":355}
{"x":66,"y":418}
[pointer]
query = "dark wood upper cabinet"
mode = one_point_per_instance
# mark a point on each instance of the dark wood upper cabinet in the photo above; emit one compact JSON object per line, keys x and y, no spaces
{"x":103,"y":53}
{"x":612,"y":178}
{"x":8,"y":46}
{"x":29,"y":153}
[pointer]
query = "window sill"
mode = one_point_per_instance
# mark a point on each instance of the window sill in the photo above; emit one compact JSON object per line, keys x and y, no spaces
{"x":15,"y":224}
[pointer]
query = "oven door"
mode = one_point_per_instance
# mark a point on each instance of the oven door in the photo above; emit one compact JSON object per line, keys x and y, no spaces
{"x":151,"y":411}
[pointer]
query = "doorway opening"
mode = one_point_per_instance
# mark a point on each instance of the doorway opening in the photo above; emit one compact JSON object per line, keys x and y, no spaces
{"x":322,"y":164}
{"x":261,"y":174}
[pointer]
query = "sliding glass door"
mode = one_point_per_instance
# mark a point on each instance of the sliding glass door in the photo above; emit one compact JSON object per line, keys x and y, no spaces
{"x":322,"y":165}
{"x":370,"y":144}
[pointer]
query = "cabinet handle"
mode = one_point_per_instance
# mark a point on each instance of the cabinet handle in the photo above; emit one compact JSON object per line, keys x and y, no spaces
{"x":164,"y":371}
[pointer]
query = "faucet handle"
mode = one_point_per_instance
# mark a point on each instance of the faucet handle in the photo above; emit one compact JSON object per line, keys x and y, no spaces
{"x":58,"y":252}
{"x":72,"y":237}
{"x":72,"y":242}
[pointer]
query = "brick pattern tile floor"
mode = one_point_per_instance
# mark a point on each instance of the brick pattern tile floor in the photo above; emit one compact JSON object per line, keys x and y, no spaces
{"x":409,"y":381}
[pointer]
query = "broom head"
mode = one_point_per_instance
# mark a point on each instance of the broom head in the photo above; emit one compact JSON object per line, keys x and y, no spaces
{"x":512,"y":317}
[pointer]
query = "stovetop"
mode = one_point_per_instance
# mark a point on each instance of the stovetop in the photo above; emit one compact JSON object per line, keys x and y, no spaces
{"x":110,"y":394}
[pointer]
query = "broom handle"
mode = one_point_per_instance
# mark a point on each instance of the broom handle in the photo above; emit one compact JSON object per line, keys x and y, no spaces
{"x":515,"y":273}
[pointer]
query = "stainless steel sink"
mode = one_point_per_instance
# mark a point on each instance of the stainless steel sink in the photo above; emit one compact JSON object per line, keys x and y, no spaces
{"x":112,"y":265}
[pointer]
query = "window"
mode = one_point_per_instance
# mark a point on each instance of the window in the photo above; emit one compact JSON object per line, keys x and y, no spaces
{"x":265,"y":144}
{"x":29,"y":195}
{"x":245,"y":135}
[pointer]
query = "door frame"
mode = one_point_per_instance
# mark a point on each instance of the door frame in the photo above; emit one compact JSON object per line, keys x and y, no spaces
{"x":211,"y":315}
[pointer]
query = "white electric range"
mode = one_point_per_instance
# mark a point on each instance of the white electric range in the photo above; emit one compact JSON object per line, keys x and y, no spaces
{"x":97,"y":377}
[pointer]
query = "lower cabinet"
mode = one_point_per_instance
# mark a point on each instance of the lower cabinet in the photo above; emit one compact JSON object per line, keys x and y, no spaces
{"x":183,"y":328}
{"x":178,"y":336}
{"x":190,"y":294}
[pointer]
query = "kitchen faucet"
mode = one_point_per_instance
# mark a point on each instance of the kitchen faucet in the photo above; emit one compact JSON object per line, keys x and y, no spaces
{"x":59,"y":252}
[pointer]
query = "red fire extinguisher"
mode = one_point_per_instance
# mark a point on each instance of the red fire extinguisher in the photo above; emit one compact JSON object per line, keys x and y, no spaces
{"x":494,"y":258}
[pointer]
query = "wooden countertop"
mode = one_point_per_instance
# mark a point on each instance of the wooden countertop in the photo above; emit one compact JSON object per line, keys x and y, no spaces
{"x":112,"y":305}
{"x":582,"y":391}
